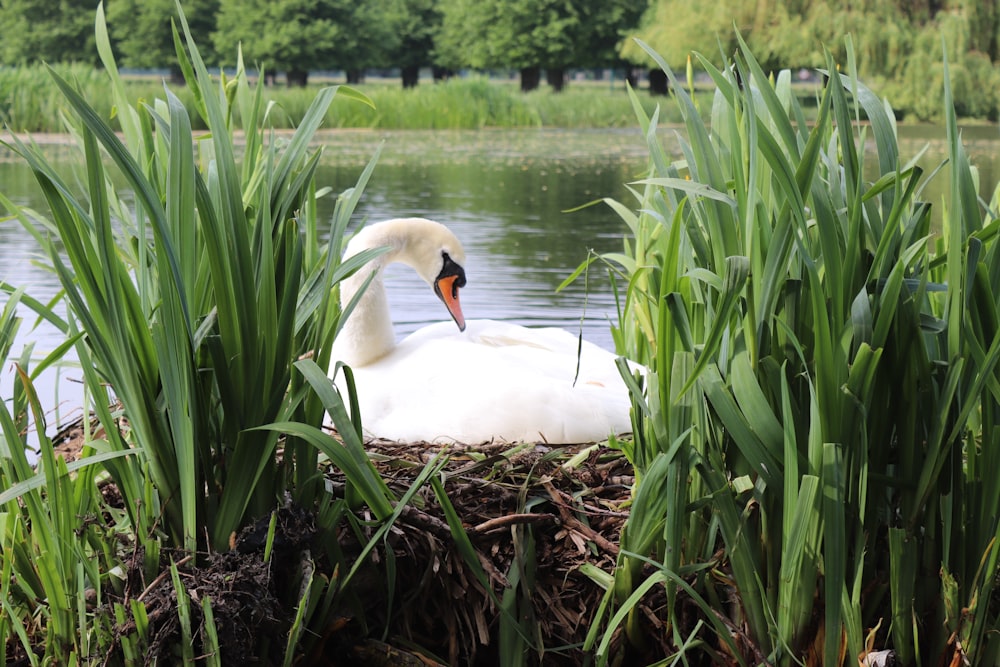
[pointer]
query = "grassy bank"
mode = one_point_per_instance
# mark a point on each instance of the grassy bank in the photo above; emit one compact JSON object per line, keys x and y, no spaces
{"x":30,"y":102}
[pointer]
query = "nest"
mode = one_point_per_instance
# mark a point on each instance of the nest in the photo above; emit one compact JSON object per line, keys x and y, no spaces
{"x":534,"y":514}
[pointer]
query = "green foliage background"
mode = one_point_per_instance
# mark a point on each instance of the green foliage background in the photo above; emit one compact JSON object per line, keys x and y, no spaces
{"x":897,"y":42}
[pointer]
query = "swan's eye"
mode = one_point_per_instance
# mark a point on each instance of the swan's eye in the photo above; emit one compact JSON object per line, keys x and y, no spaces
{"x":451,"y":268}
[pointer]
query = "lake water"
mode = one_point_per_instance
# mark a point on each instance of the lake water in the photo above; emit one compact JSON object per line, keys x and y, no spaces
{"x":504,"y":193}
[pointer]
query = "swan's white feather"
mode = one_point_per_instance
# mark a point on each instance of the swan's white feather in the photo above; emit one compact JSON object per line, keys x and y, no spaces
{"x":493,"y":381}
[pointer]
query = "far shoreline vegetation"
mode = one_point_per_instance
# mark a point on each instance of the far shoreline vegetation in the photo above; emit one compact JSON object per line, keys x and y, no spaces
{"x":31,"y":103}
{"x":539,"y":48}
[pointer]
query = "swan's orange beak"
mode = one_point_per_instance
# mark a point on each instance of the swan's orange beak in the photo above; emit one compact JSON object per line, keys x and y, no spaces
{"x":451,"y":277}
{"x":446,"y":288}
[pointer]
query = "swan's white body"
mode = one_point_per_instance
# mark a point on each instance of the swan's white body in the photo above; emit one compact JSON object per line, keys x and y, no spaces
{"x":490,"y":381}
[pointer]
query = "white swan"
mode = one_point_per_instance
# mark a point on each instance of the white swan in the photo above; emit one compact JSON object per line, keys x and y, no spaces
{"x":480,"y":381}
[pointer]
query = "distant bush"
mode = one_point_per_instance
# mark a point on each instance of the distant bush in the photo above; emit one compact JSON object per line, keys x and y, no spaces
{"x":29,"y":102}
{"x":918,"y":90}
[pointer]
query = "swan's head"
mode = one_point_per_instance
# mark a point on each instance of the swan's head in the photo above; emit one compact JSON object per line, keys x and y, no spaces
{"x":446,"y":284}
{"x":437,"y":256}
{"x":430,"y":248}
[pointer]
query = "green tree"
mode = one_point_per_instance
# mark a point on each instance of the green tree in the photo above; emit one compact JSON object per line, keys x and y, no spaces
{"x":296,"y":36}
{"x":674,"y":28}
{"x":143,"y":34}
{"x":416,"y":23}
{"x":897,"y":43}
{"x":984,"y":23}
{"x":606,"y":24}
{"x":531,"y":35}
{"x":918,"y":83}
{"x":795,"y":32}
{"x":461,"y":40}
{"x":48,"y":31}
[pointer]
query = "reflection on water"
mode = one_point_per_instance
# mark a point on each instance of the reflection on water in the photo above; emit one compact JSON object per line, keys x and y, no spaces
{"x":981,"y":143}
{"x":504,"y":194}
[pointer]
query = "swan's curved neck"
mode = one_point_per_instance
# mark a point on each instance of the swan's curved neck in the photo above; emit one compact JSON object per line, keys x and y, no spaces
{"x":367,"y":335}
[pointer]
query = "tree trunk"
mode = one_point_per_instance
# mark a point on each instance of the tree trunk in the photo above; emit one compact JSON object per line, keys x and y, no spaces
{"x":355,"y":76}
{"x":442,"y":73}
{"x":411,"y":76}
{"x":556,"y":76}
{"x":296,"y":78}
{"x":530,"y":78}
{"x":632,"y":77}
{"x":658,"y":83}
{"x":176,"y":75}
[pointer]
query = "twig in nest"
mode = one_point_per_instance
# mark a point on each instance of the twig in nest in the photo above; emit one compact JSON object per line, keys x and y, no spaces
{"x":501,"y":522}
{"x":422,"y":519}
{"x":575,"y":524}
{"x":163,"y":575}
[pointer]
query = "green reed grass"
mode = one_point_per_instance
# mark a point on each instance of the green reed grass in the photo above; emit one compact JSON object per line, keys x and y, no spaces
{"x":31,"y":102}
{"x":813,"y":436}
{"x":206,"y":307}
{"x":200,"y":292}
{"x":51,"y":556}
{"x":147,"y":309}
{"x":593,"y":105}
{"x":455,"y":104}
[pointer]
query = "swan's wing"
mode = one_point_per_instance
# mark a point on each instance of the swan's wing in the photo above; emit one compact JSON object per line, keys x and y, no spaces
{"x":494,"y":381}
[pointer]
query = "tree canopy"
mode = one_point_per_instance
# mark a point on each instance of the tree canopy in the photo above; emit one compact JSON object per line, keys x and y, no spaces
{"x":141,"y":30}
{"x":529,"y":34}
{"x":414,"y":23}
{"x":791,"y":32}
{"x":897,"y":42}
{"x":297,"y":36}
{"x":48,"y":31}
